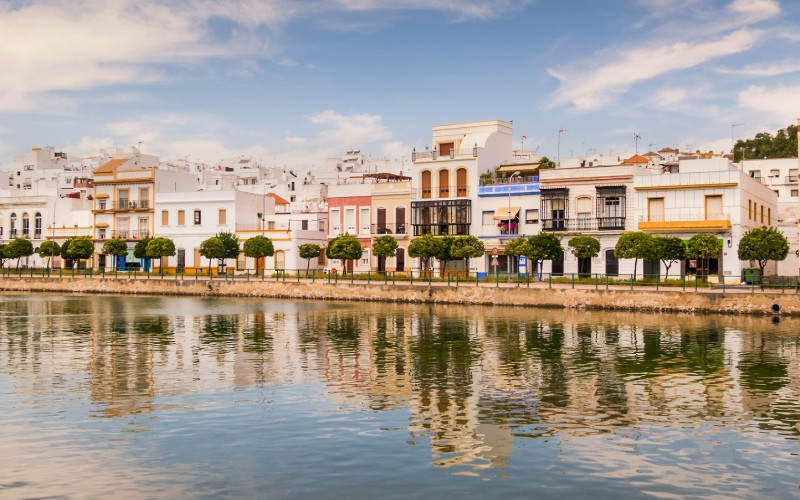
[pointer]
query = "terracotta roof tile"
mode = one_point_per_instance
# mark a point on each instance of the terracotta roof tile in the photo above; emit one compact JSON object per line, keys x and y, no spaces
{"x":110,"y":166}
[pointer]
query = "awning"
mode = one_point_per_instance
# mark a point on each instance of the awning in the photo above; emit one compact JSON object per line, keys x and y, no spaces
{"x":529,"y":167}
{"x":101,"y":195}
{"x":101,"y":224}
{"x":504,"y":214}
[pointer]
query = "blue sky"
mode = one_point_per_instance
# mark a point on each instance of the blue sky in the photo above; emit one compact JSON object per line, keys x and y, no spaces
{"x":295,"y":82}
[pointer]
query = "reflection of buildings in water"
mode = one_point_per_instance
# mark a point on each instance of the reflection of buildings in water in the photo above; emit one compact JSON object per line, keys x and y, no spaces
{"x":471,"y":378}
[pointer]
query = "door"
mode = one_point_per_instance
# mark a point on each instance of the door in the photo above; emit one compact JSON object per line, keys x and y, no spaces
{"x":400,"y":220}
{"x":651,"y":268}
{"x":584,"y":267}
{"x":401,"y":259}
{"x":444,"y":183}
{"x":557,"y":268}
{"x":380,"y":215}
{"x":425,"y":183}
{"x":461,"y":182}
{"x":181,"y":259}
{"x":612,"y":263}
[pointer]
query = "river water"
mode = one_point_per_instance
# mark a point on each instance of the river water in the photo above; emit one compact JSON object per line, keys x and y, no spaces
{"x":146,"y":397}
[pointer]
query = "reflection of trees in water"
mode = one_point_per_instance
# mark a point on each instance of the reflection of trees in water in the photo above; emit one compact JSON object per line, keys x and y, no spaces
{"x":219,"y":331}
{"x":544,"y":343}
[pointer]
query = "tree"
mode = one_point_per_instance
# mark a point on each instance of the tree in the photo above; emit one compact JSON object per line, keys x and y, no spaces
{"x":444,"y":256}
{"x":542,"y":247}
{"x":140,"y":250}
{"x":669,"y":249}
{"x":65,"y":252}
{"x":158,"y":248}
{"x":634,"y":245}
{"x":49,"y":249}
{"x":17,"y":249}
{"x":584,"y":247}
{"x":383,"y":247}
{"x":545,"y":162}
{"x":212,"y":248}
{"x":80,"y":248}
{"x":703,"y":246}
{"x":258,"y":247}
{"x":344,"y":247}
{"x":2,"y":254}
{"x":115,"y":247}
{"x":517,"y":247}
{"x":309,"y":251}
{"x":231,"y":244}
{"x":467,"y":247}
{"x":425,"y":247}
{"x":762,"y":245}
{"x":764,"y":145}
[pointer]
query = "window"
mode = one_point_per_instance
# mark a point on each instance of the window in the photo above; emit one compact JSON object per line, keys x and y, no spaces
{"x":769,"y":216}
{"x":122,"y":199}
{"x":164,"y":217}
{"x":444,"y":183}
{"x":400,"y":220}
{"x":223,"y":216}
{"x":144,"y":198}
{"x":37,"y":226}
{"x":532,"y":216}
{"x":714,"y":207}
{"x":755,"y":174}
{"x":793,"y":193}
{"x":241,"y":262}
{"x":197,"y":218}
{"x":364,"y":221}
{"x":26,"y":226}
{"x":13,"y":227}
{"x":774,"y":172}
{"x":777,"y":192}
{"x":350,"y":220}
{"x":487,"y":218}
{"x":304,"y":225}
{"x":101,"y":233}
{"x":181,"y":217}
{"x":101,"y":204}
{"x":336,"y":222}
{"x":749,"y":209}
{"x":583,"y":207}
{"x":553,"y":208}
{"x":762,"y":214}
{"x":655,"y":209}
{"x":610,"y":207}
{"x":425,"y":183}
{"x":365,"y":257}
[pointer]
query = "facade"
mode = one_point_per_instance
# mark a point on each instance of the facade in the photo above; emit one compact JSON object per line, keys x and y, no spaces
{"x":350,"y":212}
{"x":780,"y":175}
{"x":391,"y":199}
{"x":445,"y":178}
{"x":124,"y":202}
{"x":706,"y":196}
{"x":592,"y":201}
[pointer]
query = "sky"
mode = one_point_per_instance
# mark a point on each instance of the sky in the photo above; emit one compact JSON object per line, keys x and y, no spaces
{"x":294,"y":82}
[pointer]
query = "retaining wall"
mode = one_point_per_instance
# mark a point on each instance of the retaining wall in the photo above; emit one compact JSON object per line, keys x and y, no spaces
{"x":579,"y":298}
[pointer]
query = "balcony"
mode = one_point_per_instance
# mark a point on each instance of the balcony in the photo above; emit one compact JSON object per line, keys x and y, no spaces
{"x":452,"y":154}
{"x":584,"y":224}
{"x":446,"y":192}
{"x":502,"y":187}
{"x":389,"y":228}
{"x":685,"y":221}
{"x":791,"y":179}
{"x":130,"y":235}
{"x":124,"y":204}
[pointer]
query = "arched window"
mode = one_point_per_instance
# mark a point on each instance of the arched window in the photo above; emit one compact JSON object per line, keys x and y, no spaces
{"x":26,"y":226}
{"x":444,"y":183}
{"x":425,"y":183}
{"x":583,"y":207}
{"x":12,"y":230}
{"x":37,"y":226}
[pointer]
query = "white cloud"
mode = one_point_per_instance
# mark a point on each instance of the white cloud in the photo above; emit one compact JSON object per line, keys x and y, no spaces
{"x":780,"y":104}
{"x":669,"y":98}
{"x":618,"y":70}
{"x":756,"y":9}
{"x":771,"y":69}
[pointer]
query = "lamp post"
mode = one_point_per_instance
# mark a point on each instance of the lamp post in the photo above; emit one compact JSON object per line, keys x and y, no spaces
{"x":508,"y":223}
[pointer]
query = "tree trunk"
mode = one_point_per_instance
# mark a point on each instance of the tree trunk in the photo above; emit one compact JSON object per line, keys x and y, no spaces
{"x":308,"y":266}
{"x":635,"y":264}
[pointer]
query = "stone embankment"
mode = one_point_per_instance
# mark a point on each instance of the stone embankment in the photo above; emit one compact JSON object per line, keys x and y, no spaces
{"x":563,"y":296}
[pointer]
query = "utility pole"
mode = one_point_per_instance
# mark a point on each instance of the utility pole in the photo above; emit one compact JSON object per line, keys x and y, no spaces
{"x":560,"y":131}
{"x":636,"y":138}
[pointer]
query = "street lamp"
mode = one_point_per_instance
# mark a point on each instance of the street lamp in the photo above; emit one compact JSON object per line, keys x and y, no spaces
{"x":508,"y":223}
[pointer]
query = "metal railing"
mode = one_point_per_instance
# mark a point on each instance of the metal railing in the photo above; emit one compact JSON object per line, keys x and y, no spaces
{"x":592,"y":224}
{"x":684,"y":282}
{"x":389,"y":228}
{"x":130,"y":235}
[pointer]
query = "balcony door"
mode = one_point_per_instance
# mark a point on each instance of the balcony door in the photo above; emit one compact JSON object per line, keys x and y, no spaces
{"x":380,"y":222}
{"x":461,"y":182}
{"x":714,"y":207}
{"x":655,"y":209}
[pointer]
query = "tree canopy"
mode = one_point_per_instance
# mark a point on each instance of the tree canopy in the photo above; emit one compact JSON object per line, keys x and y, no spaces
{"x":584,"y":247}
{"x":160,"y":247}
{"x":384,"y":246}
{"x":309,"y":251}
{"x":344,"y":247}
{"x":80,"y":248}
{"x":49,"y":249}
{"x":634,"y":245}
{"x":231,"y":244}
{"x":258,"y":247}
{"x":212,"y":248}
{"x":425,"y":247}
{"x":703,"y":246}
{"x":669,"y":249}
{"x":116,"y":247}
{"x":764,"y":145}
{"x":140,"y":250}
{"x":762,"y":245}
{"x":517,"y":247}
{"x":545,"y":162}
{"x":544,"y":246}
{"x":17,"y":249}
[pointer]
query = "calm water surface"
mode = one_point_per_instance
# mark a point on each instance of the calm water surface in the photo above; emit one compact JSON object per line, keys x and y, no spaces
{"x":135,"y":397}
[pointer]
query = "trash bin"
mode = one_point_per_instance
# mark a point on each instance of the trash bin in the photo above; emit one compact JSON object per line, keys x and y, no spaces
{"x":751,"y":275}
